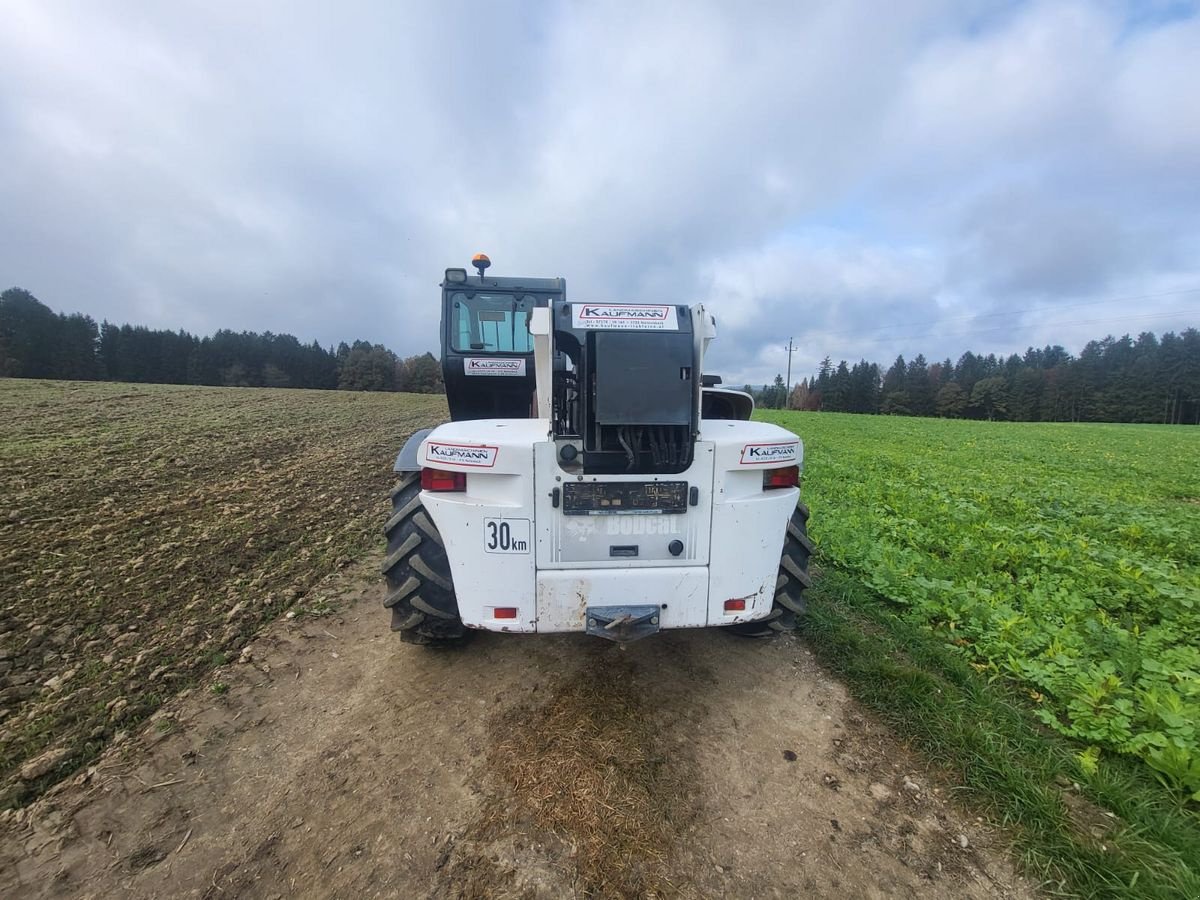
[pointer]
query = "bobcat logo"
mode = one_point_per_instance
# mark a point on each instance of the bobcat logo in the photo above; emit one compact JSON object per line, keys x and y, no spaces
{"x":580,"y":528}
{"x":643,"y":525}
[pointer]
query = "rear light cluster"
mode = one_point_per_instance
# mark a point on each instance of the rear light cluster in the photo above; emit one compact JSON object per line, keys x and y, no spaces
{"x":437,"y":480}
{"x":787,"y":477}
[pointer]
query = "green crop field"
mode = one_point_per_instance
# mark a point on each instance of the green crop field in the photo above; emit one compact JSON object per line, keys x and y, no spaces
{"x":1065,"y":557}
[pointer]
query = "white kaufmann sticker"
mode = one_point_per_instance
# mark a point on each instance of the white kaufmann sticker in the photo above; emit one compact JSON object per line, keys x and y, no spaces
{"x":763,"y":454}
{"x":630,"y":316}
{"x":474,"y":365}
{"x":460,"y":454}
{"x":506,"y":535}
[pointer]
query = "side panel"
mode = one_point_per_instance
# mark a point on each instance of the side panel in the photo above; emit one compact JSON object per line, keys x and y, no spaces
{"x":483,"y":528}
{"x":564,"y":596}
{"x":484,"y":580}
{"x":748,"y":524}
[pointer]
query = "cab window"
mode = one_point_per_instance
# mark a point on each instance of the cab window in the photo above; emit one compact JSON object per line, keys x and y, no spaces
{"x":491,"y":323}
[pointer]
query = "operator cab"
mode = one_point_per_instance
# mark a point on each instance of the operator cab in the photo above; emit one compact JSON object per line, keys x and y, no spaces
{"x":487,"y":350}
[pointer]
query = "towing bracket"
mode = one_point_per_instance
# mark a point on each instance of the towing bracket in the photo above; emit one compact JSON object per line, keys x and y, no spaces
{"x":623,"y":624}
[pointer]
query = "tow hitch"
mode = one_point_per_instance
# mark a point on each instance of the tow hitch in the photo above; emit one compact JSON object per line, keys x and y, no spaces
{"x":622,"y":624}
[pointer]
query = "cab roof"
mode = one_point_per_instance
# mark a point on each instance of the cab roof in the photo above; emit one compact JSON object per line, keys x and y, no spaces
{"x":475,"y":283}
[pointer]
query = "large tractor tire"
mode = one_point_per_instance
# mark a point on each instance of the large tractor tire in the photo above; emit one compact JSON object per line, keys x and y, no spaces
{"x":789,"y":586}
{"x":420,"y":591}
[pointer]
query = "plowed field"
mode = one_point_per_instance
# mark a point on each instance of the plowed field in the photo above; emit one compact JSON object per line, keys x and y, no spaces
{"x":147,"y":531}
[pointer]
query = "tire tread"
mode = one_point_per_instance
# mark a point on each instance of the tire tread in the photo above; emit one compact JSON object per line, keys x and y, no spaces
{"x":420,"y":588}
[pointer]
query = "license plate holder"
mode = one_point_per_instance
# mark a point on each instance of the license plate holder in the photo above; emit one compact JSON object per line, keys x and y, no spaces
{"x":624,"y":498}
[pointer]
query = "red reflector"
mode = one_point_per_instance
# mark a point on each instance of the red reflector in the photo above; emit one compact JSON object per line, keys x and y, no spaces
{"x":505,"y":612}
{"x":437,"y":480}
{"x":735,"y":605}
{"x":787,"y":477}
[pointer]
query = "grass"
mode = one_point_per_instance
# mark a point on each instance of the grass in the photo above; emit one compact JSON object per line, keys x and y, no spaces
{"x":1062,"y":557}
{"x":1024,"y":775}
{"x":1022,"y":603}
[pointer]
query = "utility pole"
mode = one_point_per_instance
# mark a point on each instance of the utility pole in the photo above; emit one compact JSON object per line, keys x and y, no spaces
{"x":787,"y":395}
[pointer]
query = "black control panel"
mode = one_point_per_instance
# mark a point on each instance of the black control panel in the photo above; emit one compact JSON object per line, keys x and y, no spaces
{"x":614,"y":498}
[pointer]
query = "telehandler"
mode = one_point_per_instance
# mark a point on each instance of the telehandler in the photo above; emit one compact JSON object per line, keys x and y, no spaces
{"x":592,"y":478}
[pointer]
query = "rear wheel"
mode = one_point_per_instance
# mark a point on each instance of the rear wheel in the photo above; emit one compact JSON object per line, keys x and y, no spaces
{"x":420,"y":591}
{"x":790,"y":585}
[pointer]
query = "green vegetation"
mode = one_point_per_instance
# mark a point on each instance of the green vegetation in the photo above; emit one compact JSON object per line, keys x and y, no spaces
{"x":987,"y":582}
{"x":1066,"y":557}
{"x":1107,"y":831}
{"x":147,"y":531}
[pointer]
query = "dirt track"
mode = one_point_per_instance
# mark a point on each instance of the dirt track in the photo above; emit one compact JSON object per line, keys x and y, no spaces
{"x":339,"y":762}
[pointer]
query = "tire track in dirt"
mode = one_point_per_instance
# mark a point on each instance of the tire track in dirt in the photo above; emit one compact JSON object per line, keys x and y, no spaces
{"x":590,"y":770}
{"x":338,"y":762}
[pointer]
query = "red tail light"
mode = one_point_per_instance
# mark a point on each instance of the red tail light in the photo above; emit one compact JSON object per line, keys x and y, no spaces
{"x":786,"y":477}
{"x":504,"y":612}
{"x":738,"y":605}
{"x":437,"y":480}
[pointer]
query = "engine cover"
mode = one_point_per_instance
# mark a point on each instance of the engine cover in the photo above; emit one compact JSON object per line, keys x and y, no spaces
{"x":644,"y":378}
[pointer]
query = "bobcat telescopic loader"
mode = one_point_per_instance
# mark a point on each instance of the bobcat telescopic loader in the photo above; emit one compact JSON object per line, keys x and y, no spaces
{"x":591,"y":479}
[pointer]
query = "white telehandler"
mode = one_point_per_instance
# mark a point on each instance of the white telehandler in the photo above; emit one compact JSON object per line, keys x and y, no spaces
{"x":592,"y":479}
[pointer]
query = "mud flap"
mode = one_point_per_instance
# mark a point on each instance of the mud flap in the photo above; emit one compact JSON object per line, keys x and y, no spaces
{"x":622,"y":624}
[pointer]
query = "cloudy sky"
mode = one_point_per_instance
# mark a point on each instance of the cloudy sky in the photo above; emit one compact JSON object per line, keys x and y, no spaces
{"x":867,"y":178}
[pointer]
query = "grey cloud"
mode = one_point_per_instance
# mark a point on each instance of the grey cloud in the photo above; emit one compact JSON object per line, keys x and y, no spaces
{"x":867,"y":178}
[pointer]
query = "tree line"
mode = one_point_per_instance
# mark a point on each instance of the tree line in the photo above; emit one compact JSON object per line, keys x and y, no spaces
{"x":1142,"y":379}
{"x":36,"y":342}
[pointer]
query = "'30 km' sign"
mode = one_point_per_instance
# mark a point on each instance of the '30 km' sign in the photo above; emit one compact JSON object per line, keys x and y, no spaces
{"x":506,"y":535}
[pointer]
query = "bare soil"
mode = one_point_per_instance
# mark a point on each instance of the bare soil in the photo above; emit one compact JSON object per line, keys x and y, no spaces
{"x":333,"y":761}
{"x":148,"y":531}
